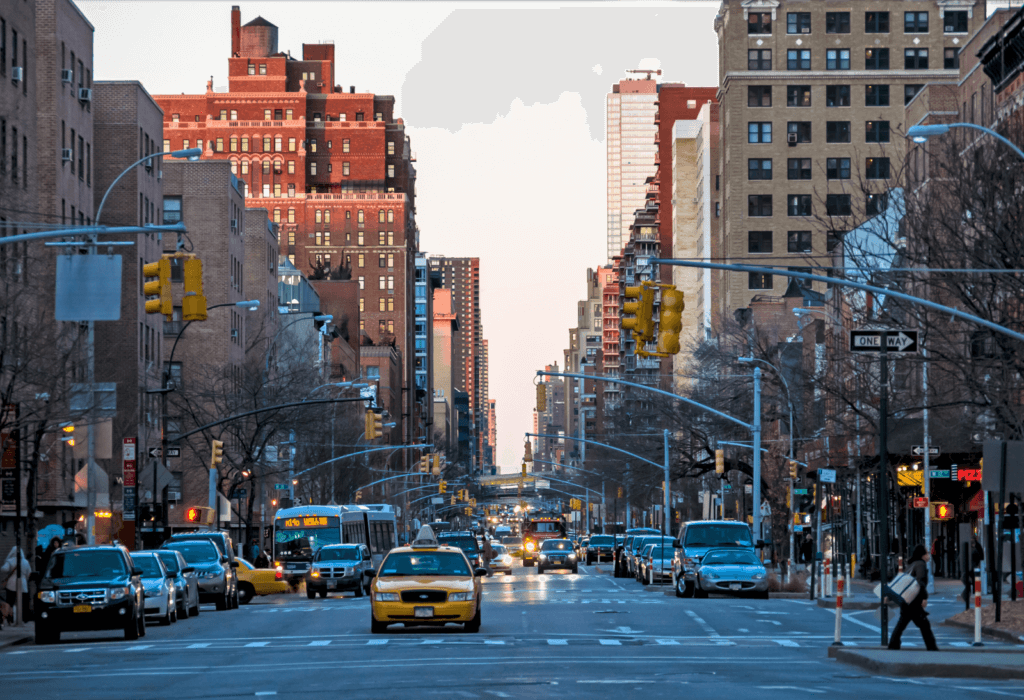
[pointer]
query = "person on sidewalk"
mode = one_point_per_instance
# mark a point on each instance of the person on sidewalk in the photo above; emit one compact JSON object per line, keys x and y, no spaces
{"x":976,"y":555}
{"x":915,"y":610}
{"x":9,"y":578}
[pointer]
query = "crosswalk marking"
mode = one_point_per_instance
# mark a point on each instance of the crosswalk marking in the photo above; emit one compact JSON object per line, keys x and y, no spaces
{"x":74,"y":651}
{"x":138,"y":647}
{"x":493,"y":641}
{"x":200,"y":645}
{"x":376,"y":642}
{"x":257,"y":644}
{"x":786,"y":643}
{"x":319,"y":643}
{"x":667,"y":642}
{"x":610,"y":642}
{"x":558,"y":642}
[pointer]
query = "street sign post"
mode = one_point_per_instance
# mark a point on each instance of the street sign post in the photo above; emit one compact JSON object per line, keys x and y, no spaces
{"x":918,"y":451}
{"x":900,"y":341}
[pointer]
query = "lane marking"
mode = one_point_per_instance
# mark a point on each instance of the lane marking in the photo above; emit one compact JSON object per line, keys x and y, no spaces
{"x":789,"y":687}
{"x":610,"y":642}
{"x":849,"y":616}
{"x":74,"y":651}
{"x":667,"y":642}
{"x":266,"y":692}
{"x":704,"y":625}
{"x":616,"y":681}
{"x":785,"y":642}
{"x":319,"y":643}
{"x":200,"y":645}
{"x":497,"y":693}
{"x":558,"y":642}
{"x":257,"y":644}
{"x":772,"y":622}
{"x":138,"y":647}
{"x":376,"y":642}
{"x":494,"y":641}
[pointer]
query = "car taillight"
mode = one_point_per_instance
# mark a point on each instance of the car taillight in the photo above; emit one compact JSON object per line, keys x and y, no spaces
{"x":278,"y":574}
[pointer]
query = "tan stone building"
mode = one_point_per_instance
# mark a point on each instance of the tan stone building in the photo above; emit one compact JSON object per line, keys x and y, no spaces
{"x":812,"y":99}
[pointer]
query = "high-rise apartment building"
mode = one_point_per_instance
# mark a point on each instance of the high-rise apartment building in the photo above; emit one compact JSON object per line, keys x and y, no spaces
{"x":812,"y":98}
{"x":333,"y":167}
{"x":631,"y":151}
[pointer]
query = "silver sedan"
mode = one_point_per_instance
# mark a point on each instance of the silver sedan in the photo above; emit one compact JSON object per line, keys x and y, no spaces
{"x":731,"y":571}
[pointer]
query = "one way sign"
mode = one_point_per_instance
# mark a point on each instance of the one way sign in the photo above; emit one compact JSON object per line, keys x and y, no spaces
{"x":171,"y":452}
{"x":896,"y":341}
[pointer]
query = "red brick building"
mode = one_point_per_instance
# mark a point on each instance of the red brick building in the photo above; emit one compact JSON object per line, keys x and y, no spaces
{"x":333,"y":168}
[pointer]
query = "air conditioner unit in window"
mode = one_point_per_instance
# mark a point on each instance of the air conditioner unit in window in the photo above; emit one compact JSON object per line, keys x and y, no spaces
{"x":174,"y":495}
{"x":67,"y":75}
{"x":234,"y":224}
{"x":805,"y":30}
{"x":66,"y":154}
{"x":792,"y":138}
{"x":17,"y":74}
{"x":234,"y":332}
{"x":950,"y":29}
{"x":84,"y":95}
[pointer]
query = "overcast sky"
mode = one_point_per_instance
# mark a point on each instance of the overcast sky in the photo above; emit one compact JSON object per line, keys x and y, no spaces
{"x":504,"y":103}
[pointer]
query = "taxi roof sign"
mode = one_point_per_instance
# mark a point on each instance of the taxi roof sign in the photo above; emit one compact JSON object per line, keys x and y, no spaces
{"x":425,"y":538}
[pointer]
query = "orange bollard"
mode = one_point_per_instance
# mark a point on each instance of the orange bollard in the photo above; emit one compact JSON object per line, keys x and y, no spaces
{"x":836,"y":642}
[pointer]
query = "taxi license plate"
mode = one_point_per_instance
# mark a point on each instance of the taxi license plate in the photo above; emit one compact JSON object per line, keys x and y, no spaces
{"x":423,"y":611}
{"x":83,"y":608}
{"x":734,"y":586}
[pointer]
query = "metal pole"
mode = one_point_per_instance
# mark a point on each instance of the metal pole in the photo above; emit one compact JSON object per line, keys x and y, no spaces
{"x":997,"y":589}
{"x":757,"y":456}
{"x":90,"y":353}
{"x":883,"y":475}
{"x":629,"y":511}
{"x":860,"y":513}
{"x":604,"y":513}
{"x":163,"y":440}
{"x":927,"y":474}
{"x":291,"y":466}
{"x":666,"y":526}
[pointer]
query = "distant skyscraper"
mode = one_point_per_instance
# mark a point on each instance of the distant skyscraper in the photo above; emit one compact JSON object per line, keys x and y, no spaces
{"x":630,"y":130}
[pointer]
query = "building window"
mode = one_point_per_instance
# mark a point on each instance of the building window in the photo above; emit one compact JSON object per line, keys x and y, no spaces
{"x":362,"y":282}
{"x":234,"y":115}
{"x":312,"y":167}
{"x":759,"y":280}
{"x":837,"y":204}
{"x":915,"y":59}
{"x":391,"y":283}
{"x":233,"y":144}
{"x":345,"y":169}
{"x":951,"y":59}
{"x":391,"y":148}
{"x":759,"y":205}
{"x":220,"y":145}
{"x":955,"y":22}
{"x":266,"y":115}
{"x":391,"y":170}
{"x":798,"y":205}
{"x":318,"y":216}
{"x":798,"y":59}
{"x":798,"y":23}
{"x":361,"y":260}
{"x":252,"y":69}
{"x":837,"y":22}
{"x":909,"y":92}
{"x":359,"y":116}
{"x":266,"y":144}
{"x":172,"y":210}
{"x":876,"y":132}
{"x":759,"y":169}
{"x":291,"y":167}
{"x":759,"y":59}
{"x":381,"y":260}
{"x":223,"y":115}
{"x":876,"y":22}
{"x":798,"y":242}
{"x":837,"y":132}
{"x":391,"y":237}
{"x":360,"y":218}
{"x":876,"y":168}
{"x":833,"y":239}
{"x":837,"y":168}
{"x":345,"y":145}
{"x":291,"y":216}
{"x":876,"y":59}
{"x":877,"y":203}
{"x":391,"y":216}
{"x":381,"y":306}
{"x":759,"y":132}
{"x":876,"y":95}
{"x":915,"y":22}
{"x":759,"y":241}
{"x":837,"y":95}
{"x":799,"y":169}
{"x":380,"y":238}
{"x":837,"y":59}
{"x":391,"y":260}
{"x":759,"y":96}
{"x":327,"y":216}
{"x":291,"y":144}
{"x":359,"y":238}
{"x":798,"y":95}
{"x":263,"y":69}
{"x":801,"y":130}
{"x":245,"y":167}
{"x":382,"y":282}
{"x":380,"y":216}
{"x":245,"y":144}
{"x":759,"y":23}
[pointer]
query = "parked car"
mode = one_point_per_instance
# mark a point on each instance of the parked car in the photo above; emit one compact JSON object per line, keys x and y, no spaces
{"x":158,"y":582}
{"x":697,"y":539}
{"x":186,"y":585}
{"x":90,"y":588}
{"x":656,"y":560}
{"x":623,"y":546}
{"x":556,"y":554}
{"x":338,"y":567}
{"x":211,"y":569}
{"x":222,"y":541}
{"x":501,"y":560}
{"x":600,"y":548}
{"x":635,"y":550}
{"x":731,"y":571}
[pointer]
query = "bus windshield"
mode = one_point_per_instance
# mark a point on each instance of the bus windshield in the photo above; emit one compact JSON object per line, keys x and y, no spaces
{"x":298,"y":537}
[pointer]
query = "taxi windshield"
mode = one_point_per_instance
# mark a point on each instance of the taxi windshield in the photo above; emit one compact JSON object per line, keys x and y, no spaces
{"x":425,"y":564}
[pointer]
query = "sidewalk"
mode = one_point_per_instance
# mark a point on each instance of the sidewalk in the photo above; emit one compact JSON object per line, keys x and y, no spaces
{"x":961,"y":663}
{"x":1010,"y":628}
{"x":10,"y":635}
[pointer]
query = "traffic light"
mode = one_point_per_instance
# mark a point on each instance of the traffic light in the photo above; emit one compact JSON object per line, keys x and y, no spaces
{"x":524,"y":468}
{"x":69,"y":434}
{"x":216,"y":453}
{"x":794,"y":473}
{"x":158,"y":284}
{"x":469,"y":511}
{"x":720,"y":462}
{"x":940,"y":511}
{"x":378,"y":425}
{"x":453,"y":499}
{"x":670,"y":320}
{"x":619,"y":493}
{"x":425,"y":463}
{"x":369,"y":426}
{"x":642,"y":326}
{"x":359,"y":495}
{"x":193,"y":303}
{"x":442,"y":487}
{"x":542,"y":398}
{"x":437,"y":464}
{"x":806,"y":503}
{"x":527,"y":451}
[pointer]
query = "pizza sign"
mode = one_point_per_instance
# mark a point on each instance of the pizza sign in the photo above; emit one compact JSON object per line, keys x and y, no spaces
{"x":968,"y":474}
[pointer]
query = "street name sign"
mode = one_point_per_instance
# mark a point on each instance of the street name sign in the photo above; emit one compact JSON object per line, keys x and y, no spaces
{"x":918,"y":451}
{"x":896,"y":341}
{"x":281,"y":487}
{"x":938,"y":474}
{"x":171,"y":452}
{"x":800,"y":492}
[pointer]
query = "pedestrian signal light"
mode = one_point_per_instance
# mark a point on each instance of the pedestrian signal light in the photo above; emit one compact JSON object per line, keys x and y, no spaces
{"x":642,"y":326}
{"x":542,"y":398}
{"x":193,"y":303}
{"x":941,"y":511}
{"x":720,"y":462}
{"x":670,"y":320}
{"x":192,"y":515}
{"x":158,"y":284}
{"x":216,"y":453}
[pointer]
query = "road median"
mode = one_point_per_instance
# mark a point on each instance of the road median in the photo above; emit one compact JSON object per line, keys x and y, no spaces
{"x":994,"y":664}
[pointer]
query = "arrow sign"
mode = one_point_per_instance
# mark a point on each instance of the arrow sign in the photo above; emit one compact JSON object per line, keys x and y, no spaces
{"x":918,"y":451}
{"x":896,"y":341}
{"x":171,"y":452}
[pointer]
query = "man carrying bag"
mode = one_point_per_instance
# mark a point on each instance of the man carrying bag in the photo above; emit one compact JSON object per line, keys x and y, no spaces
{"x":912,"y":602}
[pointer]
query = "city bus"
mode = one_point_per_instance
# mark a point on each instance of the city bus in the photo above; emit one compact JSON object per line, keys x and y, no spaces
{"x":300,"y":531}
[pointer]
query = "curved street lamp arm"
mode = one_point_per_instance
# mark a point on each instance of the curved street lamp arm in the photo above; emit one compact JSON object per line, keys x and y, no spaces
{"x":599,"y":444}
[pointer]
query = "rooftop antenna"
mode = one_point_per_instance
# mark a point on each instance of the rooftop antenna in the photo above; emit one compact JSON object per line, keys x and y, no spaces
{"x":648,"y":71}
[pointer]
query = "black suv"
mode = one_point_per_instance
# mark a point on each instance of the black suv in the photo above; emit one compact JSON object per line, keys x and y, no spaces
{"x":466,"y":541}
{"x":90,"y":588}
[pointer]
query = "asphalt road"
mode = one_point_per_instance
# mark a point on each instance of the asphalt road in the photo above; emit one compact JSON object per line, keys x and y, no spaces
{"x":552,"y":636}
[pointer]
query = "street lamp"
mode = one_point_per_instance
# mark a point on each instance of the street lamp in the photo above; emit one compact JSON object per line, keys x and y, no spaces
{"x":189,"y":153}
{"x":922,"y":132}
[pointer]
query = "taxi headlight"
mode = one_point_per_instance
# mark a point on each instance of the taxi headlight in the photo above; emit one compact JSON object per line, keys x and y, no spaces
{"x":46,"y":596}
{"x":387,"y":597}
{"x":460,"y":597}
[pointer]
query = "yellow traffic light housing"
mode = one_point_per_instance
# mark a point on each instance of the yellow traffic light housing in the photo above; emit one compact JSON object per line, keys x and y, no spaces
{"x":193,"y":303}
{"x":940,"y":511}
{"x":158,"y":284}
{"x":359,"y":495}
{"x":527,"y":452}
{"x":370,"y":426}
{"x":794,"y":474}
{"x":542,"y":398}
{"x":442,"y":487}
{"x":642,"y":326}
{"x":378,"y":425}
{"x":425,"y":463}
{"x":437,"y":464}
{"x":216,"y":453}
{"x":670,"y":320}
{"x":720,"y":462}
{"x":453,"y":499}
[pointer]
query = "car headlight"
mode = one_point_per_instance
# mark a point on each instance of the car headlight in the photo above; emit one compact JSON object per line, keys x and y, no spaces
{"x":530,"y":546}
{"x":47,"y":596}
{"x":710,"y":574}
{"x":460,"y":597}
{"x":757,"y":577}
{"x":572,"y":555}
{"x":387,"y":597}
{"x":543,"y":557}
{"x":315,"y":574}
{"x":115,"y":593}
{"x":213,"y":573}
{"x":507,"y":559}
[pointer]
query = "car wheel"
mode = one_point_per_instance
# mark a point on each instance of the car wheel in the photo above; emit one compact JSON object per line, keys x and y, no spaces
{"x":699,"y":592}
{"x":359,"y":591}
{"x":172,"y":610}
{"x":195,"y":609}
{"x":234,"y":600}
{"x":473,"y":625}
{"x":142,"y":625}
{"x":323,"y":593}
{"x":246,"y":593}
{"x":131,"y":629}
{"x":763,"y":595}
{"x":311,"y":594}
{"x":589,"y":561}
{"x":166,"y":619}
{"x":540,"y":569}
{"x":575,"y":569}
{"x":183,"y":610}
{"x":377,"y":627}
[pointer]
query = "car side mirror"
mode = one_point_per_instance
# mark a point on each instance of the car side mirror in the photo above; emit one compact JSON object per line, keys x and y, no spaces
{"x":172,"y":576}
{"x":370,"y":573}
{"x":234,"y":565}
{"x":759,"y":545}
{"x":676,"y":544}
{"x":188,"y":569}
{"x":478,"y":572}
{"x":136,"y":571}
{"x":223,"y":560}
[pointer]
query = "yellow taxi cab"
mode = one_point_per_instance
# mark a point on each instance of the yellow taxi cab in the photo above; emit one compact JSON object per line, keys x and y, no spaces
{"x":425,"y":584}
{"x":253,"y":582}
